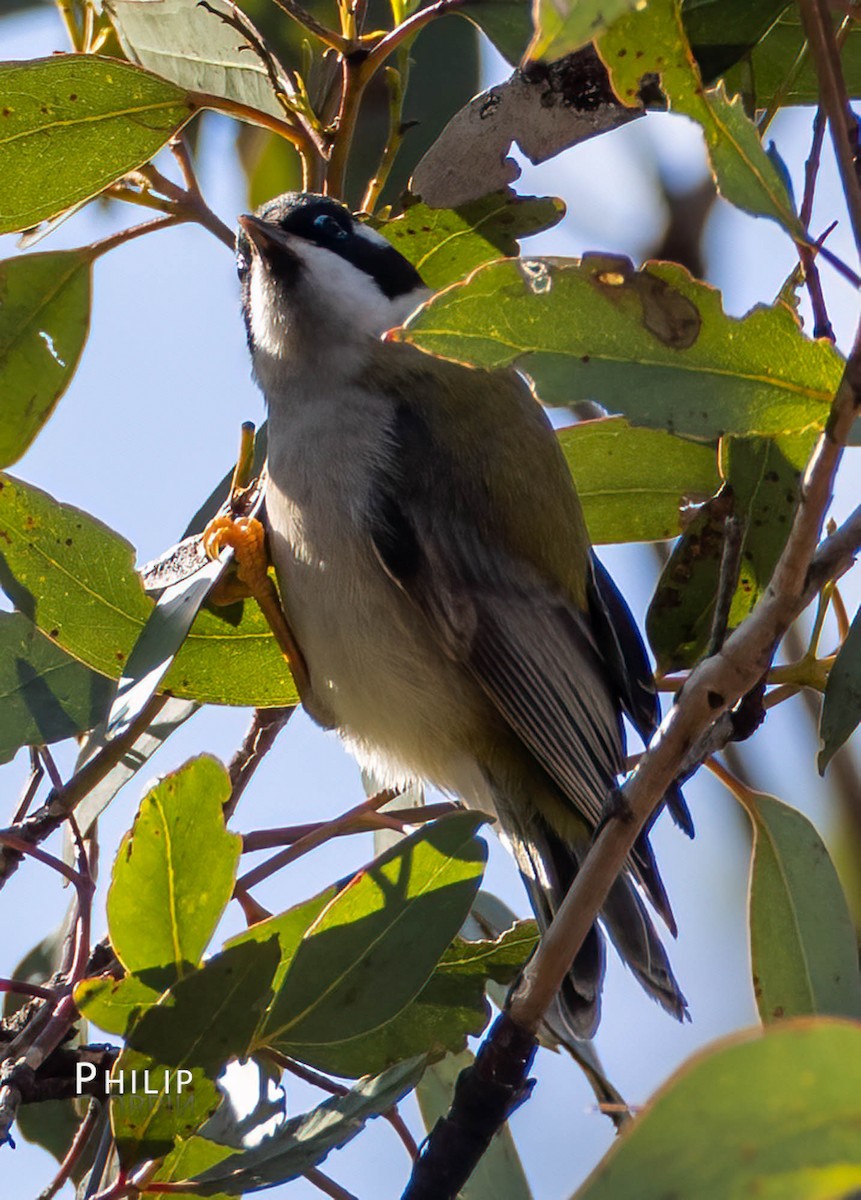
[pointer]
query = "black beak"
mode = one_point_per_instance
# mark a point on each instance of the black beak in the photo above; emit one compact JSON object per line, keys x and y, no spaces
{"x":272,"y":245}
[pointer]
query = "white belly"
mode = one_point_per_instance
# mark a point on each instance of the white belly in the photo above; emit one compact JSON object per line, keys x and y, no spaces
{"x":405,"y":710}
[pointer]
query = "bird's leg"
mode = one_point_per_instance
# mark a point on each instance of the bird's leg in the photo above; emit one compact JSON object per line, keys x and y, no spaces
{"x":247,"y":538}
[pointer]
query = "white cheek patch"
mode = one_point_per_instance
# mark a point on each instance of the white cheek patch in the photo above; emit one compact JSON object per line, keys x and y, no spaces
{"x":268,"y":318}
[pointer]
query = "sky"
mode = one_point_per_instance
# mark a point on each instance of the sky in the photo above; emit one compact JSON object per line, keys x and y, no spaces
{"x":151,"y":421}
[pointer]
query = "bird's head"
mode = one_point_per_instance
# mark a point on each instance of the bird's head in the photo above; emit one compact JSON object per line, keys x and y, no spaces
{"x":317,"y":282}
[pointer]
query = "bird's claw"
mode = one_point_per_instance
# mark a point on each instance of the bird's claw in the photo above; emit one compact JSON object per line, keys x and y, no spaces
{"x":247,"y":538}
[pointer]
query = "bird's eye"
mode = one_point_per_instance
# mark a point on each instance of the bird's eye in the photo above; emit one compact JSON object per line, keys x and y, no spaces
{"x":328,"y":227}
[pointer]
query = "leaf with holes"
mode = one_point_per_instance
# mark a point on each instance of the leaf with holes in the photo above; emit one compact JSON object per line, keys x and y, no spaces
{"x":654,"y":345}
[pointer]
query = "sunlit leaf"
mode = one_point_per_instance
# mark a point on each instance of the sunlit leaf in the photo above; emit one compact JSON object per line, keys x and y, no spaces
{"x":563,"y":26}
{"x":375,"y":944}
{"x":45,"y":696}
{"x":633,"y":482}
{"x":190,"y":45}
{"x":174,"y":872}
{"x":156,"y":1105}
{"x":444,"y":245}
{"x":73,"y":576}
{"x":71,"y":125}
{"x":774,"y":1113}
{"x":44,"y":319}
{"x":654,"y":345}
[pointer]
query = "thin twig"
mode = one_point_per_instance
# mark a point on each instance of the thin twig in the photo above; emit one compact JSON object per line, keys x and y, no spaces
{"x":327,"y":1185}
{"x":136,"y":231}
{"x":325,"y":1084}
{"x":323,"y":833}
{"x":816,"y":19}
{"x":37,"y":774}
{"x":18,"y":987}
{"x":63,"y":801}
{"x":288,"y":835}
{"x":266,"y":724}
{"x":73,"y":1154}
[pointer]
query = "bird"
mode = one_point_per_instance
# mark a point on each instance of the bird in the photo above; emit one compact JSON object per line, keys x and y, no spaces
{"x":435,"y":569}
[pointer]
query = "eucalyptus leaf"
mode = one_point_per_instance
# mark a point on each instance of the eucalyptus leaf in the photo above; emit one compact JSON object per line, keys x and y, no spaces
{"x":305,"y":1141}
{"x":450,"y":1007}
{"x":563,"y":26}
{"x":804,"y":952}
{"x":375,"y":944}
{"x":767,"y":72}
{"x":174,"y":873}
{"x":192,"y":46}
{"x":841,"y":707}
{"x":45,"y":696}
{"x":44,"y":320}
{"x":72,"y":124}
{"x":774,"y":1113}
{"x":189,"y":1157}
{"x":633,"y":483}
{"x":654,"y":345}
{"x":155,"y":1106}
{"x":73,"y":577}
{"x":444,"y":245}
{"x":508,"y":24}
{"x":651,"y":42}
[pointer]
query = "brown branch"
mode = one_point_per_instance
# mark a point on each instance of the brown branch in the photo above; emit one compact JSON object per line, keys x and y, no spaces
{"x":345,"y":823}
{"x":61,"y":802}
{"x":265,"y":726}
{"x":819,"y":30}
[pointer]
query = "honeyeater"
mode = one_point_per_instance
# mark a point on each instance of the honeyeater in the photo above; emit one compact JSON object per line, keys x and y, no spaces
{"x":435,"y":569}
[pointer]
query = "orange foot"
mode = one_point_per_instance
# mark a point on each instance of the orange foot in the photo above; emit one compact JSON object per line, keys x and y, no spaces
{"x":247,"y":537}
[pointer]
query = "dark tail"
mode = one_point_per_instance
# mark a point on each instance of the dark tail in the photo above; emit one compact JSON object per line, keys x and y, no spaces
{"x":548,"y":867}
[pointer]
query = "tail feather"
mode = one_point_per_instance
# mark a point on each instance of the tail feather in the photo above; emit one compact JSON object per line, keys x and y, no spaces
{"x":548,"y":866}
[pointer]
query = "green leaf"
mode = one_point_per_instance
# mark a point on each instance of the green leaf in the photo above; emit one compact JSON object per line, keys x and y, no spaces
{"x":71,"y":125}
{"x":174,"y":873}
{"x":774,"y":1113}
{"x":804,"y":953}
{"x":445,"y":244}
{"x":721,"y":31}
{"x":304,"y":1141}
{"x":768,"y":68}
{"x":651,"y":41}
{"x":654,"y":345}
{"x":45,"y":696}
{"x":44,"y":319}
{"x":173,"y":714}
{"x":500,"y":1171}
{"x":376,"y":943}
{"x":633,"y":482}
{"x":114,"y":1005}
{"x":841,"y":708}
{"x":190,"y":1156}
{"x":73,"y":577}
{"x":209,"y":1017}
{"x":508,"y":24}
{"x":762,"y":492}
{"x":193,"y":48}
{"x":450,"y":1007}
{"x":153,"y":1110}
{"x":563,"y":26}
